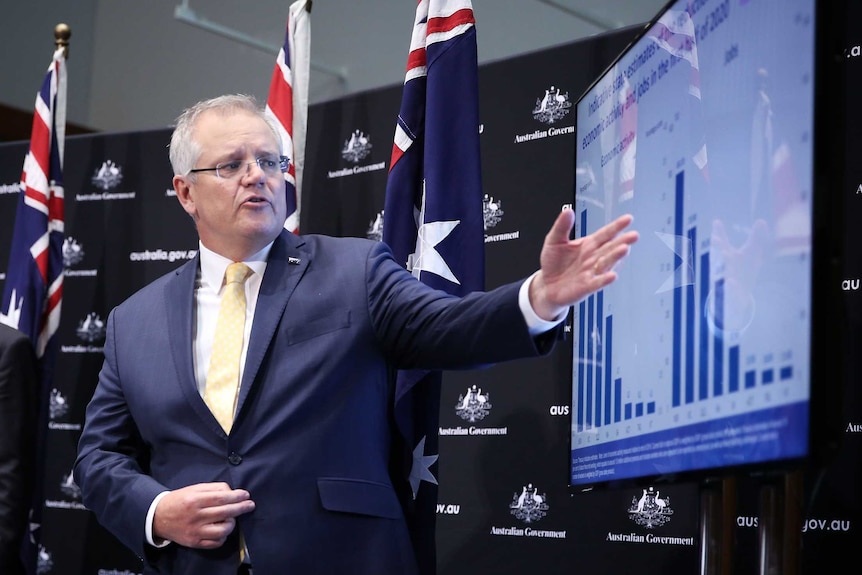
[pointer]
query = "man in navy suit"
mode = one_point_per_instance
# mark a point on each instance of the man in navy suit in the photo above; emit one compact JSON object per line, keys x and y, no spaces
{"x":18,"y":385}
{"x":301,"y":483}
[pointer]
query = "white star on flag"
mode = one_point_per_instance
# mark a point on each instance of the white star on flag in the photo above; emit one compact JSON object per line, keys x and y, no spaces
{"x":13,"y":317}
{"x":421,"y":469}
{"x":426,"y":257}
{"x":34,"y":527}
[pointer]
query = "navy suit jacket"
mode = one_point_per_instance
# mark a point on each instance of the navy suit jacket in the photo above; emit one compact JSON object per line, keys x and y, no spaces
{"x":19,"y":384}
{"x":312,"y":437}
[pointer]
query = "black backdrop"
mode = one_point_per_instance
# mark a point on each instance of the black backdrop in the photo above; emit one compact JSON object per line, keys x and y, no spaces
{"x":124,"y":228}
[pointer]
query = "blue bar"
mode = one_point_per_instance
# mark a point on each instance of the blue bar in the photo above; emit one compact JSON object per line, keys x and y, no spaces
{"x":582,"y":331}
{"x":768,"y":376}
{"x":785,"y":373}
{"x":703,"y":331}
{"x":650,"y":407}
{"x":639,"y":409}
{"x":717,"y":344}
{"x":618,"y":399}
{"x":733,"y":369}
{"x":582,"y":309}
{"x":609,"y":338}
{"x":590,"y":360}
{"x":750,"y":379}
{"x":689,"y":322}
{"x":599,"y":344}
{"x":677,"y":295}
{"x":628,"y":410}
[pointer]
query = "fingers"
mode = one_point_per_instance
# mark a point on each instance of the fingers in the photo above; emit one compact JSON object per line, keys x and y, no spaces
{"x":609,"y":231}
{"x":213,"y":535}
{"x":606,"y":262}
{"x":216,"y":497}
{"x":562,"y":227}
{"x":200,"y":515}
{"x":607,"y":239}
{"x":611,"y":245}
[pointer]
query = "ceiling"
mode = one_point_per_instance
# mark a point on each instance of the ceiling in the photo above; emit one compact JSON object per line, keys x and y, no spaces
{"x":348,"y":37}
{"x":135,"y":65}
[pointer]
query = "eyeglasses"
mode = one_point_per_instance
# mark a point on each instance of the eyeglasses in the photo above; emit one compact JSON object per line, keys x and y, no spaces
{"x":271,"y":166}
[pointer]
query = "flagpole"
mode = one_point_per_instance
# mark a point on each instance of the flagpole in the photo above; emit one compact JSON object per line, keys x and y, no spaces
{"x":62,"y":33}
{"x":34,"y":278}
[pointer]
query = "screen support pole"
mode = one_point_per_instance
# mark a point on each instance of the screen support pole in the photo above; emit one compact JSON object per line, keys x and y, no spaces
{"x":717,"y":512}
{"x":779,"y":529}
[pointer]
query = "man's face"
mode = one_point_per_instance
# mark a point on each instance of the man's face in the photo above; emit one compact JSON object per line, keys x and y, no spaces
{"x":238,"y":216}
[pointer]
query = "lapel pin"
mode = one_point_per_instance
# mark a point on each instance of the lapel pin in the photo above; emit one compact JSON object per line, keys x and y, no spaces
{"x":293,"y":261}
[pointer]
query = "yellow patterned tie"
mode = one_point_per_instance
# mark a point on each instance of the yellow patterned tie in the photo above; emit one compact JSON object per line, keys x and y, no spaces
{"x":220,"y":393}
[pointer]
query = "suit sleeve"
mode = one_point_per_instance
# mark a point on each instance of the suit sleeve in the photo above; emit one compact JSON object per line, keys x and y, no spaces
{"x":112,"y":462}
{"x":18,"y":386}
{"x":430,"y":329}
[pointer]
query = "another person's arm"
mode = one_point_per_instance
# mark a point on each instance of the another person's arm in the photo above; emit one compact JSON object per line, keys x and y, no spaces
{"x":18,"y":384}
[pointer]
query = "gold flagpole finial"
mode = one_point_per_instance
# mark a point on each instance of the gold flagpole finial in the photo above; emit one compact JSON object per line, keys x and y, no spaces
{"x":62,"y":33}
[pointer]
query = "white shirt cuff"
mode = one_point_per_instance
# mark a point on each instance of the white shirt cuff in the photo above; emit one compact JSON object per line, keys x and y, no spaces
{"x":535,"y":324}
{"x":149,"y":525}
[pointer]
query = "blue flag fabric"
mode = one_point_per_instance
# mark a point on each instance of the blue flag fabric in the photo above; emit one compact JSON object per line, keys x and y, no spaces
{"x":287,"y":102}
{"x":33,"y":291}
{"x":433,"y":221}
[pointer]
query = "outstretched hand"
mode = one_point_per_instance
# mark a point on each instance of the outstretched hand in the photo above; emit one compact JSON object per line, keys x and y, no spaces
{"x":573,"y":269}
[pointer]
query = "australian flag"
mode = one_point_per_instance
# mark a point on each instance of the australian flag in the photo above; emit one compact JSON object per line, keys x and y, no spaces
{"x":433,"y":220}
{"x":287,"y":102}
{"x":33,"y":292}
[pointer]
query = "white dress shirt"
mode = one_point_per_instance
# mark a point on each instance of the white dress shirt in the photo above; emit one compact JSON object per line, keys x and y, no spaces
{"x":209,"y":286}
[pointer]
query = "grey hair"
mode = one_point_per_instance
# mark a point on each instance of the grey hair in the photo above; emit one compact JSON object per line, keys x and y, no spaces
{"x":184,"y":150}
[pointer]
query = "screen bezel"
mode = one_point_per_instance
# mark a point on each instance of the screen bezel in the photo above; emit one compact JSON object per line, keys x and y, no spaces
{"x":827,"y":338}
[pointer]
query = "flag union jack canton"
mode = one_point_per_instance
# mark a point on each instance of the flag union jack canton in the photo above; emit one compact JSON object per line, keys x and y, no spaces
{"x":432,"y":220}
{"x":33,"y":291}
{"x":287,"y":102}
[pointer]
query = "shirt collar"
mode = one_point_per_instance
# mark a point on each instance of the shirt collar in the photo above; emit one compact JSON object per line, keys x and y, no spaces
{"x":214,"y":265}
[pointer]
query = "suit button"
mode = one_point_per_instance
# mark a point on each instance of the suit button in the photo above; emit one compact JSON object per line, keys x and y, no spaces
{"x":234,"y":458}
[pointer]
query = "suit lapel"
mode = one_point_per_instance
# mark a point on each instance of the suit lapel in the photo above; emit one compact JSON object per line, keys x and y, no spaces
{"x":288,"y":260}
{"x":179,"y":299}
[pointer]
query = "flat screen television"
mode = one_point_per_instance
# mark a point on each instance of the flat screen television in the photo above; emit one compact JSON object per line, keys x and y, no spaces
{"x":719,"y":346}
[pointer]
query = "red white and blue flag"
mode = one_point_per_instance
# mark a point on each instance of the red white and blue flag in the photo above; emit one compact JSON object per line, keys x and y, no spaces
{"x":287,"y":102}
{"x":675,"y":33}
{"x":433,"y":219}
{"x":33,"y":291}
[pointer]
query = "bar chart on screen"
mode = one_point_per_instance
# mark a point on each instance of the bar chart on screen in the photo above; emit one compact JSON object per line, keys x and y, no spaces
{"x":699,"y":355}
